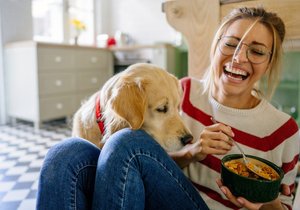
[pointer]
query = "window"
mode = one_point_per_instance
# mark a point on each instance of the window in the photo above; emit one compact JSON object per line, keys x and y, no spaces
{"x":52,"y":20}
{"x":83,"y":11}
{"x":48,"y":20}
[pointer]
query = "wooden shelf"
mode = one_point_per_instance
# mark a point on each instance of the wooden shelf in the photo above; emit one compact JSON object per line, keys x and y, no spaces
{"x":139,"y":47}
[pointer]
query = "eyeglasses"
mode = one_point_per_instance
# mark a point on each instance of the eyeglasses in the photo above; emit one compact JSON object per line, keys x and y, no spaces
{"x":256,"y":53}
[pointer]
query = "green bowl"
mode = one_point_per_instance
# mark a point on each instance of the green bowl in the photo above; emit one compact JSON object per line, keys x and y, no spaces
{"x":254,"y":190}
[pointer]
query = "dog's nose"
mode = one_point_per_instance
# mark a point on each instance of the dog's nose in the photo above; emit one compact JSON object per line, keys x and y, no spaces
{"x":186,"y":139}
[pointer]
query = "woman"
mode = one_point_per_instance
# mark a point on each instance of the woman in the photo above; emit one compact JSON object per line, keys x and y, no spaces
{"x":246,"y":50}
{"x":134,"y":172}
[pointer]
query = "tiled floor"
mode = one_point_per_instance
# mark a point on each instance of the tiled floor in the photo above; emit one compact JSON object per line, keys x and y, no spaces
{"x":22,"y":150}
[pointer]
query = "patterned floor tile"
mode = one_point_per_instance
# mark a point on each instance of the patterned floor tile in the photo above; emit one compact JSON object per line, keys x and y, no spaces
{"x":22,"y":151}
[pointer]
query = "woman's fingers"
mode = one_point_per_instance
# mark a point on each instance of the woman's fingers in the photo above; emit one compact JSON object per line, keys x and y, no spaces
{"x":221,"y":127}
{"x":238,"y":201}
{"x":228,"y":194}
{"x":214,"y":147}
{"x":215,"y":142}
{"x":285,"y":190}
{"x":249,"y":205}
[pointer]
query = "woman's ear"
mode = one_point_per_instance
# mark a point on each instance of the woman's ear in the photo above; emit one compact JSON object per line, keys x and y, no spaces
{"x":129,"y":101}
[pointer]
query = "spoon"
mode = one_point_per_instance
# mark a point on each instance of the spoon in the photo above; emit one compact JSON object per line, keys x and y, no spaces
{"x":253,"y":165}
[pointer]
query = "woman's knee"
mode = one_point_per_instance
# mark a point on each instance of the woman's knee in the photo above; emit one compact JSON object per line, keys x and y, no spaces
{"x":131,"y":139}
{"x":70,"y":151}
{"x":126,"y":144}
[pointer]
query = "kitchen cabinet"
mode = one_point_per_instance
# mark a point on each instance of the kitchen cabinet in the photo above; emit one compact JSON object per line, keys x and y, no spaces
{"x":287,"y":95}
{"x":163,"y":55}
{"x":49,"y":81}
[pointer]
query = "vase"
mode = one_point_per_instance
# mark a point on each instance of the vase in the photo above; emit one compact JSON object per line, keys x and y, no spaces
{"x":76,"y":40}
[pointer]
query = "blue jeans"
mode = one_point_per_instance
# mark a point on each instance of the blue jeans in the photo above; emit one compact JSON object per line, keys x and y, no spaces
{"x":131,"y":172}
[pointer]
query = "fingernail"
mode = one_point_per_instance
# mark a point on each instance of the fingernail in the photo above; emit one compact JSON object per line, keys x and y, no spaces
{"x":240,"y":201}
{"x":231,"y":131}
{"x":223,"y":190}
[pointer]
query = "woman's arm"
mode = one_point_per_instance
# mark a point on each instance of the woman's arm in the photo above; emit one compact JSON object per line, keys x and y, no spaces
{"x":188,"y":154}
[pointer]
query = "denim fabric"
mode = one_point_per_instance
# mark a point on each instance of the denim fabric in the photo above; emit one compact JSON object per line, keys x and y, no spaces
{"x":68,"y":175}
{"x":133,"y":172}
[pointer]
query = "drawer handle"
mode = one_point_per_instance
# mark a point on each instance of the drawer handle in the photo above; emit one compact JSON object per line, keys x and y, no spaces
{"x":94,"y":59}
{"x":58,"y":59}
{"x":59,"y":106}
{"x":94,"y":80}
{"x":58,"y":83}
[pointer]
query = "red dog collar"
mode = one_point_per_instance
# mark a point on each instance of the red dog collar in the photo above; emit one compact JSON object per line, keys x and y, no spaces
{"x":98,"y":115}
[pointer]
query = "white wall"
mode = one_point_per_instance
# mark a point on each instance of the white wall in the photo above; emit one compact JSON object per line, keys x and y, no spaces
{"x":15,"y":25}
{"x":2,"y":102}
{"x":141,"y":19}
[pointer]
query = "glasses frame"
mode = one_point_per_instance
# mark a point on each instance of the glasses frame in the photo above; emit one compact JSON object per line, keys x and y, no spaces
{"x":269,"y":53}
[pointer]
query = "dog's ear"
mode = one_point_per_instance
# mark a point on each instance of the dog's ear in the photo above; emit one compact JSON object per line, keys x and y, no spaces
{"x":129,"y":102}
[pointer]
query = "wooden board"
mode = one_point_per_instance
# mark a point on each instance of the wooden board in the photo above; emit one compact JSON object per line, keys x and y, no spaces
{"x":197,"y":20}
{"x":288,"y":10}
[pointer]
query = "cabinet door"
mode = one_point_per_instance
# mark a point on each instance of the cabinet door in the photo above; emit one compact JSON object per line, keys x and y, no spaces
{"x":83,"y":97}
{"x":91,"y":59}
{"x":55,"y":59}
{"x":91,"y":80}
{"x":56,"y":107}
{"x":56,"y":83}
{"x":287,"y":95}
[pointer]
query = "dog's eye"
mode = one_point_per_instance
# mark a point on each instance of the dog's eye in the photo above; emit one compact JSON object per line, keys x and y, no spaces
{"x":163,"y":109}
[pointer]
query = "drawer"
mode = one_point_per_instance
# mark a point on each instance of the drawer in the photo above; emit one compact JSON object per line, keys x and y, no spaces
{"x":57,"y":107}
{"x":56,"y":83}
{"x":90,"y":80}
{"x":82,"y":97}
{"x":96,"y":59}
{"x":55,"y":58}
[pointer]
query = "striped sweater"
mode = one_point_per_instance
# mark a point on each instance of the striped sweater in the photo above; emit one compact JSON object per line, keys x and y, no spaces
{"x":263,"y":131}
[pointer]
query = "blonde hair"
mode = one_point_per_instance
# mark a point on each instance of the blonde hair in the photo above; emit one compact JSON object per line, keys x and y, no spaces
{"x":267,"y":85}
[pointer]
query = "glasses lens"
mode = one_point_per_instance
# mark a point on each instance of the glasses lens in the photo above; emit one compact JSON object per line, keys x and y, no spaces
{"x":228,"y":45}
{"x":256,"y":53}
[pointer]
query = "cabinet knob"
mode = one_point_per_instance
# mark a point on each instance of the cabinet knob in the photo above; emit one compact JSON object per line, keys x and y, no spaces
{"x":58,"y":59}
{"x":58,"y":83}
{"x":59,"y":106}
{"x":94,"y":80}
{"x":94,"y":59}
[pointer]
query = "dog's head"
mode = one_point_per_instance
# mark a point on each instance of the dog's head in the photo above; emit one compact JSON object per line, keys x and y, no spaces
{"x":146,"y":97}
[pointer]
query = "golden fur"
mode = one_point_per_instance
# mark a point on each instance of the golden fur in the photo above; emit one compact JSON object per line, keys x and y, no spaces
{"x":141,"y":97}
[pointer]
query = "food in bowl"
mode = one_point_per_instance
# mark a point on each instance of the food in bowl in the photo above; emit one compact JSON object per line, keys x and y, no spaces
{"x":238,"y":167}
{"x":253,"y":189}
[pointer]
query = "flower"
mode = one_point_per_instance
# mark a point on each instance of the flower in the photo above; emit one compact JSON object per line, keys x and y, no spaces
{"x":78,"y":25}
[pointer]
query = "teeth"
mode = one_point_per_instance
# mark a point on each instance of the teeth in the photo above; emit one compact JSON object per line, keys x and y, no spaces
{"x":235,"y":71}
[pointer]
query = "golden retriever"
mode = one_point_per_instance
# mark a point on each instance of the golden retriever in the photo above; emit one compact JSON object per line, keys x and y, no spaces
{"x":143,"y":96}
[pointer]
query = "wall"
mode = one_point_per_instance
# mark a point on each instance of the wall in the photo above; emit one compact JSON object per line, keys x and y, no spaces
{"x":16,"y":20}
{"x":15,"y":25}
{"x":2,"y":102}
{"x":141,"y":19}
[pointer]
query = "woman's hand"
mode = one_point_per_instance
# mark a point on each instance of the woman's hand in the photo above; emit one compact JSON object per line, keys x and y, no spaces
{"x":242,"y":202}
{"x":215,"y":139}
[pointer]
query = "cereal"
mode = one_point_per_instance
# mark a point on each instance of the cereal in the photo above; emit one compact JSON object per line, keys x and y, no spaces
{"x":240,"y":168}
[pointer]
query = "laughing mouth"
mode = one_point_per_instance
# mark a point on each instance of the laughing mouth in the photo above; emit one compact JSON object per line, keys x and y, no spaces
{"x":236,"y":74}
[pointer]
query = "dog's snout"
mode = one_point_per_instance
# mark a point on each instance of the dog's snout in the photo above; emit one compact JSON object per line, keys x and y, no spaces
{"x":186,"y":139}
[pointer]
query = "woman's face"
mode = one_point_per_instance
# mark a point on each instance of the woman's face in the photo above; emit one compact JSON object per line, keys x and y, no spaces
{"x":239,"y":80}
